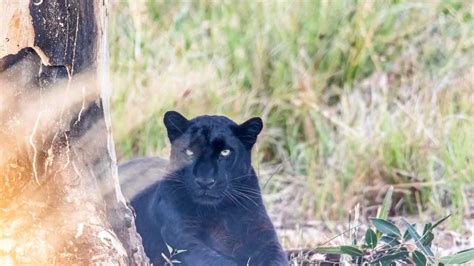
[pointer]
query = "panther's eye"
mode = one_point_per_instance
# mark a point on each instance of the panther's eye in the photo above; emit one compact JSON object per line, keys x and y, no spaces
{"x":225,"y":153}
{"x":189,"y":152}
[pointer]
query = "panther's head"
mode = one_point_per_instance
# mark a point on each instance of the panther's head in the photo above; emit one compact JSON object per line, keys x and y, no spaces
{"x":210,"y":155}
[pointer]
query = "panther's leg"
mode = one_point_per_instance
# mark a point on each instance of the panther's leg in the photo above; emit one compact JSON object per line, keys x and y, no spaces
{"x":197,"y":253}
{"x":269,"y":253}
{"x":261,"y":244}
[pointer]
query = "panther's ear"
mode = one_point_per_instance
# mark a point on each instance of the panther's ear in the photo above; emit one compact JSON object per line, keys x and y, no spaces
{"x":248,"y":131}
{"x":175,"y":124}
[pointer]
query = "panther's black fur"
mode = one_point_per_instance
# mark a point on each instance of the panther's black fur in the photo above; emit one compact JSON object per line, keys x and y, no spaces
{"x":210,"y":202}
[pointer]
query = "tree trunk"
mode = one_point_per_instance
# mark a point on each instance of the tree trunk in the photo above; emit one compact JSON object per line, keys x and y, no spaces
{"x":60,"y":199}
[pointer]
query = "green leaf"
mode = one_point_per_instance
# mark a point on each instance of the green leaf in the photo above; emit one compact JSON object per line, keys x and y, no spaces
{"x":458,"y":258}
{"x":387,"y":203}
{"x":441,"y":221}
{"x":178,"y":251}
{"x":427,"y":239}
{"x":417,"y":238}
{"x":349,"y":250}
{"x":391,"y":240}
{"x":418,"y":258}
{"x":392,"y":257}
{"x":328,"y":250}
{"x":406,"y":235}
{"x":370,"y":238}
{"x":170,"y":249}
{"x":386,"y":227}
{"x":427,"y":228}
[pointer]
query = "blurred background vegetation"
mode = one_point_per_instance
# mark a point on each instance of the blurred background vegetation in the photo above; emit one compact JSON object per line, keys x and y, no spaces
{"x":355,"y":95}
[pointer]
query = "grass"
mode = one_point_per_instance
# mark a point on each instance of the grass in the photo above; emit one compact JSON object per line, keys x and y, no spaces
{"x":355,"y":95}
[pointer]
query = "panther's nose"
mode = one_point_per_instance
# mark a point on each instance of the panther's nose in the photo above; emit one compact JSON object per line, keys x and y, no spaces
{"x":205,"y":183}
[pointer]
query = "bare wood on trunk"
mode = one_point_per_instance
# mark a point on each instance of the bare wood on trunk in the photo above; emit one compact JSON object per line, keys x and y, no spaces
{"x":60,"y":200}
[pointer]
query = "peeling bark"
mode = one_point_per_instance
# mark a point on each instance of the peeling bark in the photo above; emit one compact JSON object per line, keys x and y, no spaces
{"x":60,"y":198}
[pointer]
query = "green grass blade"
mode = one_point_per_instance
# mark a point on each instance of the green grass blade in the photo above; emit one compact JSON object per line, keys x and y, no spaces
{"x":348,"y":250}
{"x":328,"y":250}
{"x":387,"y":203}
{"x":441,"y":221}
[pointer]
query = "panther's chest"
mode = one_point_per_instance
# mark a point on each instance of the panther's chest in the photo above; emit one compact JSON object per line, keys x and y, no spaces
{"x":223,"y":235}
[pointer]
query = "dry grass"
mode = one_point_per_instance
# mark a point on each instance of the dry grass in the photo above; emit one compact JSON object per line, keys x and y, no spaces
{"x":355,"y":95}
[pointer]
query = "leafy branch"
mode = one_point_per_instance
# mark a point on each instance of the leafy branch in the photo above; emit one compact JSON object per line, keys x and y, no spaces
{"x":385,"y":244}
{"x":170,"y":259}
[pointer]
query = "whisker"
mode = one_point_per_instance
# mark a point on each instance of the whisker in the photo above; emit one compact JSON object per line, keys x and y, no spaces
{"x":235,"y":200}
{"x":176,"y":189}
{"x":175,"y":181}
{"x":242,"y":176}
{"x":247,"y":189}
{"x":251,"y":193}
{"x":239,"y":193}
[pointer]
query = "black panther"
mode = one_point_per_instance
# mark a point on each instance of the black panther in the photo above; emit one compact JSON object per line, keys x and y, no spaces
{"x":209,"y":203}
